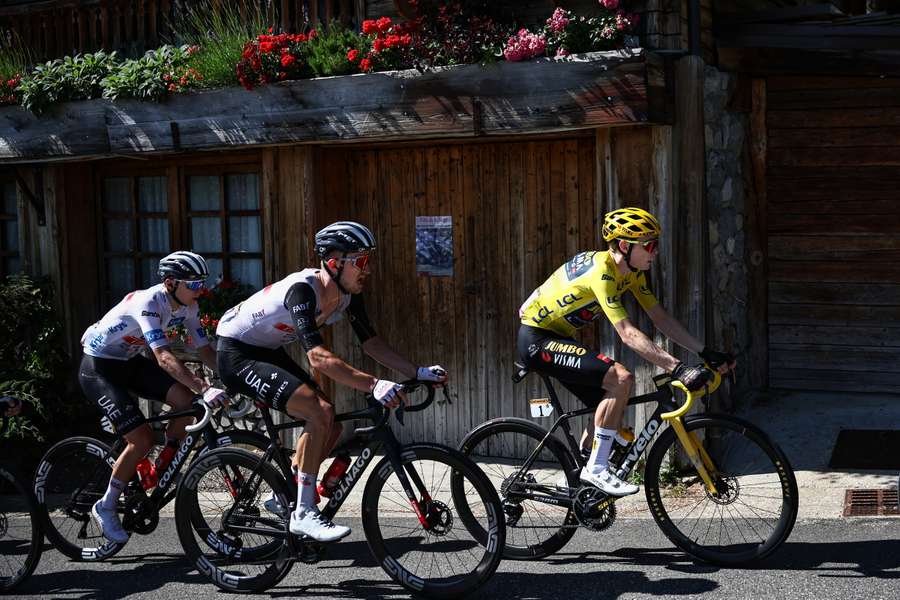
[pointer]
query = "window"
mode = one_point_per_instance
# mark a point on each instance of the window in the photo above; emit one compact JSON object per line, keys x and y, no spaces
{"x":225,"y":224}
{"x":220,"y":218}
{"x":135,"y":231}
{"x":10,"y":262}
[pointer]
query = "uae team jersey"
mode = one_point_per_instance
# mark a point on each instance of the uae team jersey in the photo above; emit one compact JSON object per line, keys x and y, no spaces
{"x":141,"y":319}
{"x":290,"y":310}
{"x":587,"y":286}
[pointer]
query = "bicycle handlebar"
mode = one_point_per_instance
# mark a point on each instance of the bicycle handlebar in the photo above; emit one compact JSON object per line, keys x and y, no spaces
{"x":409,"y":385}
{"x":207,"y":415}
{"x":691,"y":396}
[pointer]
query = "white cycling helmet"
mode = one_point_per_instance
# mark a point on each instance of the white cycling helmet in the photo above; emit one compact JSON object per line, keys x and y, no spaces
{"x":184,"y":266}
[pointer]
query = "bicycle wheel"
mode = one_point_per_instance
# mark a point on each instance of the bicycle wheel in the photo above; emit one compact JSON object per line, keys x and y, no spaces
{"x":534,"y":529}
{"x":437,"y":558}
{"x":70,"y":478}
{"x":21,"y":536}
{"x":228,"y":486}
{"x":754,"y":508}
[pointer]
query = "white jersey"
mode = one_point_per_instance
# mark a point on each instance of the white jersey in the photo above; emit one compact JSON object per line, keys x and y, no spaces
{"x":141,"y":319}
{"x":290,"y":310}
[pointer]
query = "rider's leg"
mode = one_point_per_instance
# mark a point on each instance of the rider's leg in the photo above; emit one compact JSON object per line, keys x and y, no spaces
{"x":318,"y":413}
{"x":179,"y":398}
{"x":139,"y":440}
{"x":618,"y":383}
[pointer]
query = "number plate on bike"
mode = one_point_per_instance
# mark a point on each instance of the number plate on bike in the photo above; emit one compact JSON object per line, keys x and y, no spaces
{"x":540,"y":407}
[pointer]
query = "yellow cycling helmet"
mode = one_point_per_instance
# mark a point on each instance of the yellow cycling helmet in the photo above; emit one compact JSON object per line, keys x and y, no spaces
{"x":629,"y":224}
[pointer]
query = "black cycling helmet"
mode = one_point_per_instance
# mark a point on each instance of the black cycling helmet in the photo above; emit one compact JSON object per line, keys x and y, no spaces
{"x":184,"y":266}
{"x":344,"y":236}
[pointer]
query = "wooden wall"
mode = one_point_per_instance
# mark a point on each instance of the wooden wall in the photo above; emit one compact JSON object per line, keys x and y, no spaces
{"x":833,"y":171}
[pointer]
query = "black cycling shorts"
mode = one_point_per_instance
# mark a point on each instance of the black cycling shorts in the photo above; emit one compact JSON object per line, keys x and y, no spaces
{"x":269,"y":375}
{"x":580,"y":369}
{"x":110,"y":383}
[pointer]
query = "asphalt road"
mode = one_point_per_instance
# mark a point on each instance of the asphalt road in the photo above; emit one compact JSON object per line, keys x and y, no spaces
{"x":823,"y":559}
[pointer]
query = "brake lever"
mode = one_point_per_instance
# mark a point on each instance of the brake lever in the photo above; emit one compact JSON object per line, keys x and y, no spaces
{"x":446,"y":394}
{"x":398,"y":412}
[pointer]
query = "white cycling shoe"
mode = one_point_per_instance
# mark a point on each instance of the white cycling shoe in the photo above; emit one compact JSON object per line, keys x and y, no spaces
{"x":310,"y":522}
{"x":608,"y":482}
{"x":108,"y":520}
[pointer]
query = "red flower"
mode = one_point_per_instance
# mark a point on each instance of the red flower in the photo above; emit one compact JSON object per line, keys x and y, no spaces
{"x":369,"y":27}
{"x":266,"y":47}
{"x":287,"y":60}
{"x":365,"y":64}
{"x":173,"y":87}
{"x":269,"y":30}
{"x":312,"y":34}
{"x":383,"y":24}
{"x":353,"y":55}
{"x":378,"y":45}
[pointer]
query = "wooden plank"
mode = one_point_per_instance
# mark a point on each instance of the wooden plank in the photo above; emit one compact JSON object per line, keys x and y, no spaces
{"x":811,"y":223}
{"x":849,"y":335}
{"x":540,"y":96}
{"x":845,"y":271}
{"x":867,"y":138}
{"x":869,"y":294}
{"x":270,"y":207}
{"x":782,"y":14}
{"x":834,"y":98}
{"x":833,"y":356}
{"x":826,"y":205}
{"x":808,"y":37}
{"x":835,"y":381}
{"x":834,"y":315}
{"x":777,"y":84}
{"x":825,"y":157}
{"x":835,"y":248}
{"x":782,"y":61}
{"x":888,"y":116}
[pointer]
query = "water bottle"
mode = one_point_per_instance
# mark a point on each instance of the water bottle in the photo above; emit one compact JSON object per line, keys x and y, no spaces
{"x":334,"y":473}
{"x":164,"y":458}
{"x":145,"y":472}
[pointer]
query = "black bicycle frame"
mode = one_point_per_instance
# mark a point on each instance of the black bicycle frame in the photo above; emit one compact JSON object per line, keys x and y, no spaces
{"x":665,"y":403}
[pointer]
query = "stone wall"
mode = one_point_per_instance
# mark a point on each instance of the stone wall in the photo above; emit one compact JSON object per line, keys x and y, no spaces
{"x":725,"y":134}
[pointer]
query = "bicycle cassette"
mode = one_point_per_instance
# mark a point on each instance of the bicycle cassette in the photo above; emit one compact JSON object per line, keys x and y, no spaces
{"x":594,"y":509}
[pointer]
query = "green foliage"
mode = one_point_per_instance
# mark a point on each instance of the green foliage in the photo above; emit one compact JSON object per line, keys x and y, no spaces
{"x":152,"y":76}
{"x":326,"y":52}
{"x":221,"y":35}
{"x":70,"y":78}
{"x":15,"y":60}
{"x":32,"y":362}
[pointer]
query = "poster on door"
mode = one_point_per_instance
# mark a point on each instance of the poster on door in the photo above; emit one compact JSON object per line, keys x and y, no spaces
{"x":434,"y":246}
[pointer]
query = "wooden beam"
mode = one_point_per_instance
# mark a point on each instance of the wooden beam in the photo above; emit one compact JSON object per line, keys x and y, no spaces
{"x":825,"y":37}
{"x":787,"y":14}
{"x":782,"y":61}
{"x":542,"y":96}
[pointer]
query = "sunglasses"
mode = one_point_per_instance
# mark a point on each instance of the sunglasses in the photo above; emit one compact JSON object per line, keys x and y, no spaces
{"x":650,"y":245}
{"x":194,"y":285}
{"x":360,"y":262}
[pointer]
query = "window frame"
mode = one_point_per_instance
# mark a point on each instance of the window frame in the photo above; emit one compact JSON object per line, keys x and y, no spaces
{"x":4,"y":217}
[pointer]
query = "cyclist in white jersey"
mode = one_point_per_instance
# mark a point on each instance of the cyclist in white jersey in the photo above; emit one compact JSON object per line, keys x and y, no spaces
{"x":113,"y":368}
{"x":252,"y":360}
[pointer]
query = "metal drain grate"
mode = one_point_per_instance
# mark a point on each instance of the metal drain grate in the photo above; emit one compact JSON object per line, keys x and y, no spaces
{"x":870,"y":503}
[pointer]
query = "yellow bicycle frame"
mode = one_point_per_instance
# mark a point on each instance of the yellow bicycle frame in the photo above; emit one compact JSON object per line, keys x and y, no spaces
{"x":696,"y":452}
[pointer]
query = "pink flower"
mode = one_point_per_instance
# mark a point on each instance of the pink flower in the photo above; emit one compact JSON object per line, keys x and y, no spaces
{"x":558,"y":21}
{"x":610,"y":4}
{"x":561,"y":52}
{"x":524,"y":46}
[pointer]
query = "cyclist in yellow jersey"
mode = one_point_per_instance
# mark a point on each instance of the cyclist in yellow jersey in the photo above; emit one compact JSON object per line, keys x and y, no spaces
{"x":589,"y":286}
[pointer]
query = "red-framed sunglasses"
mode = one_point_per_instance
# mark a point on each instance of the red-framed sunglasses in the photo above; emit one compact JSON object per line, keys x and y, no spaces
{"x":360,"y":262}
{"x":650,"y":245}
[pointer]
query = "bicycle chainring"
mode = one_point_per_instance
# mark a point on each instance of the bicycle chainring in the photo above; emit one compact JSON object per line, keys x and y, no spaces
{"x":439,"y":518}
{"x":139,"y":516}
{"x":594,"y":509}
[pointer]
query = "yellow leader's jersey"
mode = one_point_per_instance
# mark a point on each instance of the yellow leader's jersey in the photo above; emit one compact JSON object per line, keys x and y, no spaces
{"x":580,"y":291}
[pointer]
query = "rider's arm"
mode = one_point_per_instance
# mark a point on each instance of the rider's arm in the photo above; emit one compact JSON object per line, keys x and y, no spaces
{"x":208,"y":356}
{"x":300,"y":302}
{"x":174,"y":367}
{"x":672,"y":329}
{"x":638,"y":341}
{"x":379,"y":349}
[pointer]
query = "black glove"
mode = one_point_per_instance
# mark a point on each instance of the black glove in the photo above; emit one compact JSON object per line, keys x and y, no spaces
{"x":716,"y":359}
{"x":693,"y":378}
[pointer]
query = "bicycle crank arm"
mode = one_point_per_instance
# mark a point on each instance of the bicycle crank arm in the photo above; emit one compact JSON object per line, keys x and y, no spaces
{"x":554,"y":499}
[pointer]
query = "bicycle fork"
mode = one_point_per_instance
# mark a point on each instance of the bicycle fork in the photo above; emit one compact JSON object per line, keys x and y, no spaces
{"x":695,"y":451}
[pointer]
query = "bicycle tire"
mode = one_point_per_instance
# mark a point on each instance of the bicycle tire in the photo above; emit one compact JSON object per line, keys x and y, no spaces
{"x":542,"y":539}
{"x":78,"y":459}
{"x":11,"y":504}
{"x":390,"y":555}
{"x":226,"y":572}
{"x":768,"y":483}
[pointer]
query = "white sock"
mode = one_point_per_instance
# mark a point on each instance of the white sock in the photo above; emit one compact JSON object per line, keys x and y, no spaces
{"x":113,"y":491}
{"x":306,"y":491}
{"x":603,"y":439}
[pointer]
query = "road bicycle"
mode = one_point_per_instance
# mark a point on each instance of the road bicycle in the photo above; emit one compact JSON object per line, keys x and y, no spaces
{"x":716,"y":485}
{"x":75,"y":472}
{"x":21,"y":535}
{"x":430,"y":539}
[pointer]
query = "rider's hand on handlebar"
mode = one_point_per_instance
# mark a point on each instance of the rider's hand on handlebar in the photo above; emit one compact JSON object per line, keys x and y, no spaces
{"x":433,"y":374}
{"x":693,"y":378}
{"x":388,"y":393}
{"x":214,"y":398}
{"x":720,"y":361}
